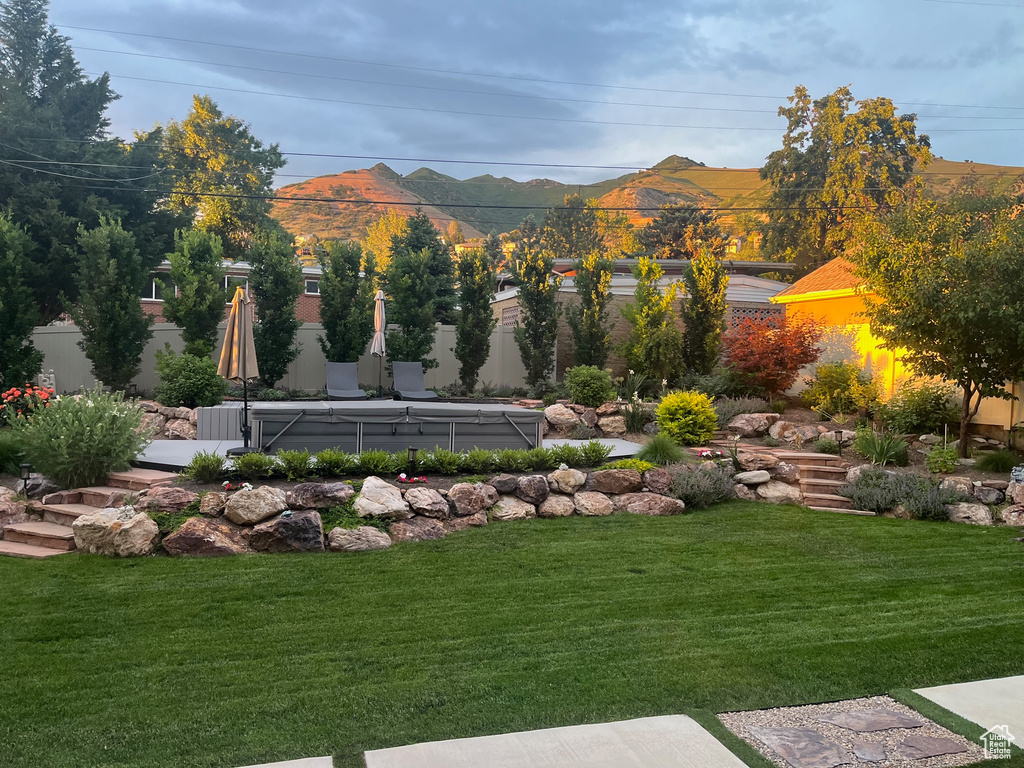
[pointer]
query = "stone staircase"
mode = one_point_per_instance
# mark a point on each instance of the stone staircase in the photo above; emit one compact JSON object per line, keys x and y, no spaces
{"x":53,"y":535}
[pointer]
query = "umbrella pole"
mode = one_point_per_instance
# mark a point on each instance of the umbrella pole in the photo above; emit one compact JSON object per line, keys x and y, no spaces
{"x":380,"y":377}
{"x":246,"y":432}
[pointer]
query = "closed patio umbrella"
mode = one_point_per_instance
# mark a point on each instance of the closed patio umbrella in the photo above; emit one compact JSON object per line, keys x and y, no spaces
{"x":238,"y":355}
{"x":377,"y":346}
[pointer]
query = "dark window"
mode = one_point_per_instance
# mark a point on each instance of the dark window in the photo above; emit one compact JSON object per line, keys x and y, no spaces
{"x":313,"y":287}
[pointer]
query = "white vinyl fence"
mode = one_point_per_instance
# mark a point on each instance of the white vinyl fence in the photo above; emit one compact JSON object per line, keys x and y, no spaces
{"x":62,"y":355}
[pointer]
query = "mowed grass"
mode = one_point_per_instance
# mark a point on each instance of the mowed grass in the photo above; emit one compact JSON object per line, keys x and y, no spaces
{"x":171,"y":662}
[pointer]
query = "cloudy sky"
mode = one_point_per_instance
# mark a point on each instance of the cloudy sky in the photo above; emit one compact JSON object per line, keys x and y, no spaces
{"x":581,"y":82}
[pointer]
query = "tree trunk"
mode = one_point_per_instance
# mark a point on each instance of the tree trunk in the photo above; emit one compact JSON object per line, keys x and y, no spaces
{"x":966,"y":414}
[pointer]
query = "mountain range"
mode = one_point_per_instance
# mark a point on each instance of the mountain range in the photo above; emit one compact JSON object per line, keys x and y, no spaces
{"x":445,"y":198}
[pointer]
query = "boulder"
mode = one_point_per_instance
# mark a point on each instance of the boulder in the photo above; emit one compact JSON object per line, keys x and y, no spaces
{"x":592,"y":504}
{"x":511,"y":508}
{"x":365,"y":538}
{"x":958,"y":483}
{"x":120,"y":532}
{"x":617,"y":481}
{"x":561,"y":418}
{"x":213,"y":503}
{"x":612,"y":425}
{"x":780,"y":428}
{"x":608,"y":409}
{"x":180,"y":429}
{"x":149,"y":406}
{"x":167,"y":413}
{"x":203,"y":537}
{"x":589,"y":417}
{"x":38,"y":486}
{"x":381,"y":499}
{"x":966,"y":512}
{"x":1013,"y":515}
{"x":785,"y":473}
{"x":651,"y":428}
{"x":756,"y":477}
{"x":576,"y":408}
{"x":462,"y":523}
{"x":154,"y":421}
{"x":657,"y":480}
{"x":1014,"y":492}
{"x":854,"y":472}
{"x":744,"y":493}
{"x":7,"y":494}
{"x":193,"y":416}
{"x":566,"y":480}
{"x":165,"y":499}
{"x":501,"y":483}
{"x":183,"y":413}
{"x":255,"y":506}
{"x":929,"y":439}
{"x":319,"y":495}
{"x":776,"y":492}
{"x":532,"y":489}
{"x":988,"y":495}
{"x":417,"y":529}
{"x":470,"y":499}
{"x":427,"y":502}
{"x":11,"y":513}
{"x":752,"y":424}
{"x":556,"y":505}
{"x":999,"y":485}
{"x":751,"y":461}
{"x":650,"y":504}
{"x":300,"y":531}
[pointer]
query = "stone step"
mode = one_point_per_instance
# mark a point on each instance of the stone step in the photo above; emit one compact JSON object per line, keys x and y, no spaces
{"x":819,"y":485}
{"x":102,"y":496}
{"x":48,"y":535}
{"x":64,"y":514}
{"x":137,"y":479}
{"x":830,"y":500}
{"x":862,"y":512}
{"x":808,"y":459}
{"x":823,"y":473}
{"x":30,"y":551}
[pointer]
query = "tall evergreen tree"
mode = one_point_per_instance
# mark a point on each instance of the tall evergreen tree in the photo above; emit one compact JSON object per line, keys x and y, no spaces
{"x":571,"y":230}
{"x":703,"y":312}
{"x":588,"y":317}
{"x":682,"y":232}
{"x":414,"y":291}
{"x":20,"y":361}
{"x":111,"y":276}
{"x":421,"y":236}
{"x":654,"y":346}
{"x":537,"y":329}
{"x":478,"y":282}
{"x":276,"y":282}
{"x":346,"y":301}
{"x":198,"y":274}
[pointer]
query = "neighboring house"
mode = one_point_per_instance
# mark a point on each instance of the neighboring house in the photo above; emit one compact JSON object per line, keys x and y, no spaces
{"x":833,"y":295}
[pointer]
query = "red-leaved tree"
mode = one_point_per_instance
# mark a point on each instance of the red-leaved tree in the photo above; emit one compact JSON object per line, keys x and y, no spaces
{"x":770,"y":351}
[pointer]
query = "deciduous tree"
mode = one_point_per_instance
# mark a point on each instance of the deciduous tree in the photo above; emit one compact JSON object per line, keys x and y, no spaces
{"x":198,"y":306}
{"x":654,"y":346}
{"x":770,"y":351}
{"x":413,"y":290}
{"x":346,"y":301}
{"x":571,"y":230}
{"x":276,"y":282}
{"x":421,"y":235}
{"x":20,"y":361}
{"x":682,"y":232}
{"x":477,"y":284}
{"x":537,"y":329}
{"x":588,"y":316}
{"x":703,"y":312}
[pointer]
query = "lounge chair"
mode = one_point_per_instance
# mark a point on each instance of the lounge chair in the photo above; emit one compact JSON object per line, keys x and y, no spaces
{"x":342,"y":383}
{"x":408,"y":383}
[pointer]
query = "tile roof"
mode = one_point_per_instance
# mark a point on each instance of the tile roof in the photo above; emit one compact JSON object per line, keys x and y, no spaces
{"x":834,"y":276}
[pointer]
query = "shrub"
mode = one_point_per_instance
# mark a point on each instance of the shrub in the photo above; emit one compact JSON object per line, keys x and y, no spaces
{"x":253,"y":466}
{"x":541,"y":459}
{"x":268,"y":394}
{"x":771,"y":442}
{"x":512,"y":460}
{"x":924,"y":408}
{"x":440,"y":461}
{"x":878,"y":491}
{"x":78,"y":441}
{"x":589,"y":385}
{"x":549,"y":399}
{"x":345,"y":516}
{"x":770,"y":351}
{"x":722,"y":382}
{"x":636,"y":413}
{"x":187,"y":380}
{"x":169,"y":522}
{"x":11,"y":452}
{"x":687,"y":417}
{"x":881,"y":448}
{"x":581,"y":431}
{"x":593,"y":453}
{"x":997,"y":461}
{"x":380,"y":462}
{"x":728,"y":408}
{"x":331,"y":462}
{"x":295,"y":465}
{"x":701,"y":486}
{"x":479,"y":461}
{"x":23,"y":401}
{"x":205,"y":467}
{"x":827,"y":445}
{"x":661,"y":450}
{"x":566,"y":454}
{"x":840,"y":387}
{"x":639,"y":465}
{"x":941,"y":460}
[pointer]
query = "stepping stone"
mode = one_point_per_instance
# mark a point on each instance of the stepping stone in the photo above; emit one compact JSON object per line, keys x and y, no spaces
{"x":306,"y":762}
{"x":917,"y":746}
{"x":802,"y":747}
{"x":868,"y":720}
{"x":989,"y":703}
{"x":650,"y":742}
{"x":869,"y":751}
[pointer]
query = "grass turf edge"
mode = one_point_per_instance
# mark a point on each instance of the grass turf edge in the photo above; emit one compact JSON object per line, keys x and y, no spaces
{"x":710,"y":722}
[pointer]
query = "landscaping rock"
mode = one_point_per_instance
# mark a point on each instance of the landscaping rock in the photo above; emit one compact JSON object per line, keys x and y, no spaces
{"x":462,"y":523}
{"x":775,"y":492}
{"x":566,"y":480}
{"x":365,"y":538}
{"x":929,"y":439}
{"x":203,"y":537}
{"x":802,"y":747}
{"x":121,"y":532}
{"x":180,"y":429}
{"x":427,"y":502}
{"x":511,"y":508}
{"x":181,"y":412}
{"x":752,"y":424}
{"x":592,"y":504}
{"x":300,"y":531}
{"x":165,"y":499}
{"x":918,"y":746}
{"x":999,"y":485}
{"x":780,"y":428}
{"x":589,"y":417}
{"x":470,"y":499}
{"x":417,"y":529}
{"x":1013,"y":515}
{"x":381,"y":499}
{"x":966,"y":512}
{"x":657,"y":480}
{"x":319,"y":495}
{"x":871,"y":720}
{"x":651,"y":428}
{"x":751,"y":461}
{"x":617,"y":481}
{"x":154,"y":421}
{"x":757,"y":477}
{"x":255,"y":506}
{"x":785,"y":473}
{"x":561,"y":418}
{"x":502,"y":483}
{"x":744,"y":493}
{"x":650,"y":504}
{"x":854,"y":472}
{"x":988,"y":495}
{"x":612,"y":425}
{"x":958,"y":483}
{"x":532,"y":489}
{"x":149,"y":406}
{"x":1014,"y":492}
{"x":213,"y":504}
{"x":12,"y":513}
{"x":39,"y":486}
{"x":608,"y":409}
{"x":556,"y":505}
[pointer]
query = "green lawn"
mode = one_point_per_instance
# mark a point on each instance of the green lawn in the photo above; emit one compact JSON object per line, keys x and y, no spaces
{"x":160,"y":662}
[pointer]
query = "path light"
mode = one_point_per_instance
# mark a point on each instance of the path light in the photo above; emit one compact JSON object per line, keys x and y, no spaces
{"x":26,"y":473}
{"x":412,"y":457}
{"x":839,"y":440}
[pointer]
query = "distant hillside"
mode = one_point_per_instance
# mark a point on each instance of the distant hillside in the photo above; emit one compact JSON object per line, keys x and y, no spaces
{"x":672,"y":181}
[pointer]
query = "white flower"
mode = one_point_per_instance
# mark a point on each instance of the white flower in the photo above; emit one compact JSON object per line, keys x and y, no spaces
{"x":631,"y":372}
{"x":246,"y":486}
{"x":664,"y":383}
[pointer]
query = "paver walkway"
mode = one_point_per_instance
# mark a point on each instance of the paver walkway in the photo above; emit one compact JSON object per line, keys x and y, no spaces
{"x":651,"y":742}
{"x":987,"y":702}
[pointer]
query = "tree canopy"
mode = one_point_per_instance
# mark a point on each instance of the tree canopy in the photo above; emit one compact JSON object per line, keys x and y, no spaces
{"x":198,"y":306}
{"x":682,"y":232}
{"x":346,"y":301}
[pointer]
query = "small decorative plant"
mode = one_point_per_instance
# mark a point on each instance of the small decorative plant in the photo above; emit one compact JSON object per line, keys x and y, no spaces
{"x":589,"y":385}
{"x":295,"y":465}
{"x":409,"y":480}
{"x":23,"y":401}
{"x":205,"y":467}
{"x":661,"y":450}
{"x":254,"y":466}
{"x":687,"y":417}
{"x":941,"y":460}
